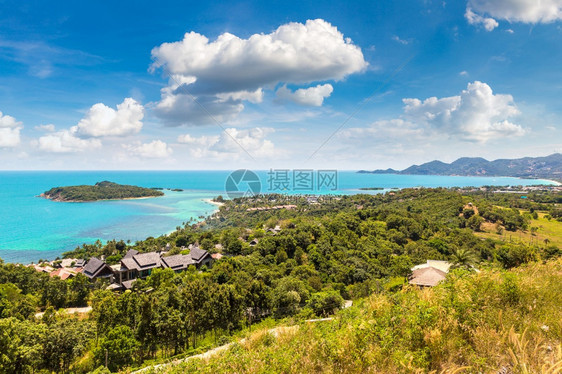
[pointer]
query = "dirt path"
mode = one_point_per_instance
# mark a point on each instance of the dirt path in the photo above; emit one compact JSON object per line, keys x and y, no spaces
{"x":212,"y":352}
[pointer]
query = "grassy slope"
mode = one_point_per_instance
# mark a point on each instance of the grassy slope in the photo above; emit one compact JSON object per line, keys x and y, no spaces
{"x":547,"y":229}
{"x":471,"y":323}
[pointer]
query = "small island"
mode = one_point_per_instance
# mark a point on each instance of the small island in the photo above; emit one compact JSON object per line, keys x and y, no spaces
{"x":100,"y":191}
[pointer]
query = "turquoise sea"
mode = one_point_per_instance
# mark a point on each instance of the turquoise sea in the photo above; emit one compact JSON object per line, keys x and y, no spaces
{"x":32,"y":227}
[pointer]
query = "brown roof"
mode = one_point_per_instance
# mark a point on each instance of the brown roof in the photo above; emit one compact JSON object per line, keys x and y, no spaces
{"x":63,"y":273}
{"x":142,"y":261}
{"x":130,"y":253}
{"x":177,"y":262}
{"x":428,"y":277}
{"x":129,"y":284}
{"x":197,"y":254}
{"x":96,"y":267}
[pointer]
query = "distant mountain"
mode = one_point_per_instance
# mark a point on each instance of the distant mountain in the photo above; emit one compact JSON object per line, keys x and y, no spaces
{"x":527,"y":167}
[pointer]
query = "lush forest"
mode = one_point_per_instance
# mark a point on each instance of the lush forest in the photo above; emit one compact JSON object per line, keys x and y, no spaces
{"x":100,"y":191}
{"x":281,"y":266}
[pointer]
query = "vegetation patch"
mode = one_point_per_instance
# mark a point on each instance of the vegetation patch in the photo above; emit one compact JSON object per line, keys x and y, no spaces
{"x":100,"y":191}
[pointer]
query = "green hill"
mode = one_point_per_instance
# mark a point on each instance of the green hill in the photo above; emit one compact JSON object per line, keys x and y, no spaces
{"x":100,"y":191}
{"x":527,"y":167}
{"x":495,"y":321}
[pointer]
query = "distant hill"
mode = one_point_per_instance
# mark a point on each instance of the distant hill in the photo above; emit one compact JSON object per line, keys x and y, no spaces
{"x":528,"y":167}
{"x":100,"y":191}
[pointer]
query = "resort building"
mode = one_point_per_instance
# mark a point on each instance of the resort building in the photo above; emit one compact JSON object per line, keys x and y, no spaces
{"x":430,"y":273}
{"x":135,"y":265}
{"x":96,"y":268}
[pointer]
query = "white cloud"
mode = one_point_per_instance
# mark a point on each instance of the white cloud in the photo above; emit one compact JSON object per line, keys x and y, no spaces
{"x":475,"y":19}
{"x":46,"y":128}
{"x":313,"y":96}
{"x":397,"y":39}
{"x":526,"y":11}
{"x":65,"y":141}
{"x":9,"y":138}
{"x":9,"y":131}
{"x":101,"y":120}
{"x":231,"y":143}
{"x":198,"y":141}
{"x":463,"y":73}
{"x":223,"y":73}
{"x":477,"y":114}
{"x":252,"y":140}
{"x":154,"y":149}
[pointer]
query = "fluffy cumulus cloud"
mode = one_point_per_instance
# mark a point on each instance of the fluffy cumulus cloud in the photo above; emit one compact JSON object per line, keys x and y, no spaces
{"x":9,"y":131}
{"x":66,"y":141}
{"x":475,"y":19}
{"x":526,"y":11}
{"x":101,"y":120}
{"x":313,"y":96}
{"x":477,"y":114}
{"x":154,"y":149}
{"x":230,"y":70}
{"x":230,"y":143}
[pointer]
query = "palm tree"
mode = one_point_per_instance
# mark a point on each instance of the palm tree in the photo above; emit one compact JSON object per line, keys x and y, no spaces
{"x":463,"y":258}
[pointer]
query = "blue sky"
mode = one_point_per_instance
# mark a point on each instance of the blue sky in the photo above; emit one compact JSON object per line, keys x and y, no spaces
{"x":362,"y":85}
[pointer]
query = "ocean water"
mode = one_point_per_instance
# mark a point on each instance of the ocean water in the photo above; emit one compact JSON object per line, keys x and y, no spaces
{"x":32,"y":227}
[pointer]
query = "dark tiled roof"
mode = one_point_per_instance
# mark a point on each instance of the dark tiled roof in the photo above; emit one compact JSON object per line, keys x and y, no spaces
{"x":197,"y":254}
{"x":94,"y":267}
{"x":177,"y":261}
{"x":129,"y":263}
{"x":147,"y":260}
{"x":128,"y":284}
{"x":141,"y":261}
{"x":130,"y":253}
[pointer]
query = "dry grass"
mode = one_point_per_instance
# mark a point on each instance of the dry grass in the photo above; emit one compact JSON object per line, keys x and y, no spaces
{"x":546,"y":229}
{"x":492,"y":322}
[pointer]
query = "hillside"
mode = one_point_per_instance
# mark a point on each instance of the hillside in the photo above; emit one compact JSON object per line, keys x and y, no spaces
{"x":528,"y":167}
{"x":100,"y":191}
{"x":276,"y":267}
{"x":495,"y":321}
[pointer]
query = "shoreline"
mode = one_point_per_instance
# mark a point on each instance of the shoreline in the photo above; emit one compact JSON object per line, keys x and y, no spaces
{"x":216,"y":206}
{"x":212,"y":202}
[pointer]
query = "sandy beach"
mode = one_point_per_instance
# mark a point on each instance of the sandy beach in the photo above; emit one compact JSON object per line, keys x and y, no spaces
{"x":215,"y":203}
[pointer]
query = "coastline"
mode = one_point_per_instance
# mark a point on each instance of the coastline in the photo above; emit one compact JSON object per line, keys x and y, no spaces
{"x":212,"y":202}
{"x":62,"y":227}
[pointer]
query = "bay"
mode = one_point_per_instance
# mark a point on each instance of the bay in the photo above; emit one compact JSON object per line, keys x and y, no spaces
{"x":32,"y":227}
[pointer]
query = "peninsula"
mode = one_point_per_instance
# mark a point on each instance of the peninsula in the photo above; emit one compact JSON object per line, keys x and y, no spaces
{"x":100,"y":191}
